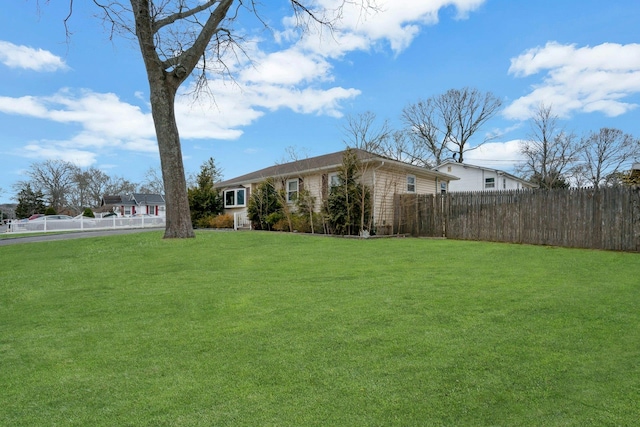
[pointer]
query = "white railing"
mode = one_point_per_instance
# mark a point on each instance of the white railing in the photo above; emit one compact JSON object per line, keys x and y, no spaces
{"x":240,"y":220}
{"x":84,"y":224}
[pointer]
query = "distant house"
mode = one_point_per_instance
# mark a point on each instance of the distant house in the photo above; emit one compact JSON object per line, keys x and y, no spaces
{"x":478,"y":178}
{"x":385,"y":177}
{"x":134,"y":204}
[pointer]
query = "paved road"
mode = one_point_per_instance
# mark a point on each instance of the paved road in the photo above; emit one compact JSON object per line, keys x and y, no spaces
{"x":68,"y":236}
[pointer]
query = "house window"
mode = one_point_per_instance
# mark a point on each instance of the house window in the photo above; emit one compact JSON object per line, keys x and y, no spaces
{"x":443,"y":187}
{"x":489,"y":183}
{"x":292,"y":190}
{"x":504,"y":183}
{"x":411,"y":184}
{"x":234,"y":198}
{"x":334,"y":180}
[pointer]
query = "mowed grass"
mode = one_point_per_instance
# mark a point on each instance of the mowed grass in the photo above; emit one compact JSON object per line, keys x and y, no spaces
{"x":266,"y":329}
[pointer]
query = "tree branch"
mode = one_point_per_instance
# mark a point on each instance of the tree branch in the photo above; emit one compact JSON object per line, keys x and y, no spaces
{"x":188,"y":60}
{"x":157,"y":25}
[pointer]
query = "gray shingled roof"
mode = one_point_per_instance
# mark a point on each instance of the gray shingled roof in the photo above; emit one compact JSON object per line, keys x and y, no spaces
{"x":133,"y":199}
{"x":317,"y":164}
{"x":149,"y":199}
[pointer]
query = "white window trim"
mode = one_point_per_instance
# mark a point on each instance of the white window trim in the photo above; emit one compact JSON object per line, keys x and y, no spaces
{"x":331,"y":176}
{"x":289,"y":193}
{"x":415,"y":181}
{"x":490,"y":182}
{"x":235,"y":198}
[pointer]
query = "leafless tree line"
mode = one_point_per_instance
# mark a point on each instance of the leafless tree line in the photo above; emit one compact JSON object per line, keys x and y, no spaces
{"x":556,"y":157}
{"x":67,"y":187}
{"x":435,"y":129}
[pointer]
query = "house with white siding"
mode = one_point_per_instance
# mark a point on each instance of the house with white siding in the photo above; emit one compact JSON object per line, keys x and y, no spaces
{"x":385,"y":177}
{"x":479,"y":178}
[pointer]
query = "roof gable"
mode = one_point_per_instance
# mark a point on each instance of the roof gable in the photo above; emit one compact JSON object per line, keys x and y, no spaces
{"x":111,"y":200}
{"x":148,"y":198}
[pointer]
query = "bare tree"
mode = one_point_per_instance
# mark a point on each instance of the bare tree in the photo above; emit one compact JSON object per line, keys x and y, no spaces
{"x":153,"y":182}
{"x":78,"y":194}
{"x":550,"y":152}
{"x":89,"y":185}
{"x":55,"y":178}
{"x":97,"y":186}
{"x":119,"y":186}
{"x":362,"y":132}
{"x":445,"y":123}
{"x":176,"y":38}
{"x":604,"y":153}
{"x":426,"y":127}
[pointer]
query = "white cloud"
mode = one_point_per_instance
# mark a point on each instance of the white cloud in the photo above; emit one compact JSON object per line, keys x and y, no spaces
{"x":102,"y":114}
{"x":497,"y":155}
{"x":397,"y":23}
{"x":586,"y":79}
{"x":54,"y":150}
{"x":14,"y":56}
{"x":287,"y":67}
{"x":296,"y":76}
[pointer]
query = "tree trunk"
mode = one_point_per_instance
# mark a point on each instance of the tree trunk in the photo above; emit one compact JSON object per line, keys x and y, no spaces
{"x":178,"y":217}
{"x":163,"y":86}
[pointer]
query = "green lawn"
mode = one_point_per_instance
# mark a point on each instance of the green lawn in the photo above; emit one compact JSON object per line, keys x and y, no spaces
{"x":267,"y":329}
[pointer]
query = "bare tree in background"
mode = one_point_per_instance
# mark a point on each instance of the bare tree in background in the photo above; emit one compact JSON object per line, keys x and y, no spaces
{"x":79,"y":192}
{"x":365,"y":132}
{"x":550,"y":152}
{"x":362,"y":132}
{"x":55,"y":179}
{"x":152,"y":182}
{"x":97,"y":186}
{"x":176,"y":38}
{"x":427,"y":128}
{"x":604,"y":153}
{"x":445,"y":123}
{"x":119,"y":186}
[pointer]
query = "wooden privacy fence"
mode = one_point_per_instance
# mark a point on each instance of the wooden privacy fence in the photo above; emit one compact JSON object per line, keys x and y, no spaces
{"x":607,"y":218}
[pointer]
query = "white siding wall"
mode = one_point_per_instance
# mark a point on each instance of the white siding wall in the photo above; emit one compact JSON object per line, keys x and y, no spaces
{"x":313,"y":184}
{"x":473,"y":179}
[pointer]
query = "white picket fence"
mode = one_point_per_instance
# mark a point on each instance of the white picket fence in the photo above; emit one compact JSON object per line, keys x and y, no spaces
{"x":84,"y":224}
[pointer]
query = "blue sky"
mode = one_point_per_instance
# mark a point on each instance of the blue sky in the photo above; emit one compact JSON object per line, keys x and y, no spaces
{"x":85,"y":99}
